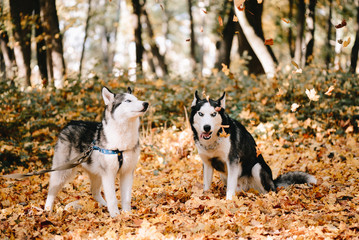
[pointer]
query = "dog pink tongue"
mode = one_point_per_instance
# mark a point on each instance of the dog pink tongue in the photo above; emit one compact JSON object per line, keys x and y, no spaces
{"x":205,"y":135}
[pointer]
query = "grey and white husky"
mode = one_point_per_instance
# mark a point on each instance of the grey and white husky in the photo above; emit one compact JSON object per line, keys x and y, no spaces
{"x":225,"y":145}
{"x":118,"y":132}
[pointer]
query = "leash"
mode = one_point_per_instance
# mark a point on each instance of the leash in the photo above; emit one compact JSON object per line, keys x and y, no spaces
{"x":81,"y":158}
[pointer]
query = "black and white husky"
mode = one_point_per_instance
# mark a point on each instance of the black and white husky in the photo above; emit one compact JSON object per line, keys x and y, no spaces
{"x":225,"y":145}
{"x":117,"y":133}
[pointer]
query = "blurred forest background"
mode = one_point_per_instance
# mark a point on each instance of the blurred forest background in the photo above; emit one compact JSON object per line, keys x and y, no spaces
{"x":49,"y":43}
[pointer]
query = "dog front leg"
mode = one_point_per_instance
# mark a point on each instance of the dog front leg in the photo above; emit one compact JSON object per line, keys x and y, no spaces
{"x":207,"y":176}
{"x":108,"y":184}
{"x":234,"y":170}
{"x":126,"y":190}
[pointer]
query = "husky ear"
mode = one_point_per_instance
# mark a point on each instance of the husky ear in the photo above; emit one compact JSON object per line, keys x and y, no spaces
{"x":222,"y":100}
{"x":129,"y":90}
{"x":195,"y":99}
{"x":107,"y":95}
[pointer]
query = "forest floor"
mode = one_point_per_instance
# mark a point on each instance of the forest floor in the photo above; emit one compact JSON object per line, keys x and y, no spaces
{"x":168,"y":201}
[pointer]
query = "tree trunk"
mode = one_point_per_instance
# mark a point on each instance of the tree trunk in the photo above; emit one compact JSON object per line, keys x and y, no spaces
{"x":298,"y":54}
{"x":154,"y":48}
{"x":54,"y":49}
{"x":21,"y":11}
{"x":109,"y":31}
{"x":355,"y":49}
{"x":309,"y":35}
{"x":224,"y":45}
{"x":87,"y":24}
{"x":329,"y":36}
{"x":40,"y":45}
{"x":137,"y":10}
{"x":290,"y":32}
{"x":251,"y":25}
{"x":7,"y":55}
{"x":192,"y":35}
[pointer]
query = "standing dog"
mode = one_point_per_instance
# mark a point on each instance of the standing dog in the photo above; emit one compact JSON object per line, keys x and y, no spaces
{"x":225,"y":145}
{"x":116,"y":149}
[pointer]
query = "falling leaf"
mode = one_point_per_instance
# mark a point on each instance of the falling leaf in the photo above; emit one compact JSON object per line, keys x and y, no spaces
{"x":268,"y":41}
{"x":330,"y":90}
{"x":340,"y":41}
{"x":312,"y":94}
{"x":217,"y":109}
{"x":346,"y":43}
{"x":259,"y":1}
{"x":342,"y":24}
{"x":285,"y":20}
{"x":239,"y":4}
{"x":201,"y":29}
{"x":203,"y":10}
{"x":162,"y":7}
{"x":298,"y":70}
{"x":235,"y":19}
{"x":294,"y":107}
{"x":188,"y":40}
{"x":220,"y":21}
{"x":295,"y":64}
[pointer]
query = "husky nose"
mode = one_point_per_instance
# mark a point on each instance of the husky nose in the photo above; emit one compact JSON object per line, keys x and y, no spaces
{"x":145,"y":106}
{"x":207,"y":128}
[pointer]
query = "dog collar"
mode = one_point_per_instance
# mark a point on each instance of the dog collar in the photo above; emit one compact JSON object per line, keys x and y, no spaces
{"x":106,"y":151}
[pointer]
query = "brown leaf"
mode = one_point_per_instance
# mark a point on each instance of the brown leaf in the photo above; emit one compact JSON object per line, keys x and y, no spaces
{"x":268,"y":41}
{"x":220,"y":21}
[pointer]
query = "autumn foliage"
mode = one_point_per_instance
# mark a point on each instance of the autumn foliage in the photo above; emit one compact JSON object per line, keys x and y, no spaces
{"x":318,"y":135}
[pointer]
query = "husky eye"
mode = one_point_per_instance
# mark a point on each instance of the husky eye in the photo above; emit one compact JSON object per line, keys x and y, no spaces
{"x":213,"y":114}
{"x":128,"y":100}
{"x":200,"y":114}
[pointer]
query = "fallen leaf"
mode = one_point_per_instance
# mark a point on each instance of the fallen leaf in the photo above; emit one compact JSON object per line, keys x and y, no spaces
{"x":294,"y":107}
{"x":312,"y":94}
{"x":330,"y":90}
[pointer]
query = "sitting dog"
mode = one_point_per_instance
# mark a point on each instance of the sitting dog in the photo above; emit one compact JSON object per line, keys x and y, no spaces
{"x":225,"y":145}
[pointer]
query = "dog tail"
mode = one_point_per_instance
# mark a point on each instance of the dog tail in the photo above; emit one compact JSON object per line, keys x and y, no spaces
{"x":295,"y":177}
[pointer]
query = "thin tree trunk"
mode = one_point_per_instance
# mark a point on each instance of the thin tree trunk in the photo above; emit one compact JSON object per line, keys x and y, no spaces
{"x":224,"y":45}
{"x":40,"y":45}
{"x":298,"y":54}
{"x":108,"y":30}
{"x":339,"y":33}
{"x":309,"y":35}
{"x":154,"y":48}
{"x":54,"y":48}
{"x":355,"y":49}
{"x":290,"y":32}
{"x":137,"y":10}
{"x":21,"y":11}
{"x":329,"y":36}
{"x":192,"y":35}
{"x":8,"y":55}
{"x":253,"y":32}
{"x":87,"y":24}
